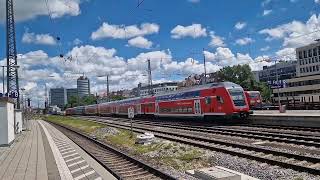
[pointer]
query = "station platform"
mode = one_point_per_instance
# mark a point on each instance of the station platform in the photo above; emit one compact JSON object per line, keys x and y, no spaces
{"x":43,"y":152}
{"x":300,"y":118}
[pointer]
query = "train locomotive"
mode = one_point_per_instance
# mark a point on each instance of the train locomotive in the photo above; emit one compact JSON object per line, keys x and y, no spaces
{"x":254,"y":99}
{"x":223,"y":99}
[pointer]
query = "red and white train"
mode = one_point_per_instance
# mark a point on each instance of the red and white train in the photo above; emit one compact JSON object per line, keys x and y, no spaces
{"x":223,"y":99}
{"x":254,"y":99}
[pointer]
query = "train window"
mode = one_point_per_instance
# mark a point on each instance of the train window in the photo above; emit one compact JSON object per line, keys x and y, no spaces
{"x":208,"y":100}
{"x":220,"y":99}
{"x":314,"y":52}
{"x":312,"y":60}
{"x":190,"y":109}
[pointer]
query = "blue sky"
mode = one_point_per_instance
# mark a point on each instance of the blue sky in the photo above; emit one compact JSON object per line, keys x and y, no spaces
{"x":117,"y":37}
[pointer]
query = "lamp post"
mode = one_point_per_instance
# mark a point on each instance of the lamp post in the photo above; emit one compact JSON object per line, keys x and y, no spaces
{"x":3,"y":80}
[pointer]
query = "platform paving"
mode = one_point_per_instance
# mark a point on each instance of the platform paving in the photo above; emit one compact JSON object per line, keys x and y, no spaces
{"x":299,"y":118}
{"x":43,"y":152}
{"x":287,"y":113}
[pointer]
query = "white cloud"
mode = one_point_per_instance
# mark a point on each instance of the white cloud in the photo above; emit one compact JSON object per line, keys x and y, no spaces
{"x":194,"y":1}
{"x":25,"y":10}
{"x":317,"y":1}
{"x":267,"y":12}
{"x":77,"y":41}
{"x":30,"y":85}
{"x":216,"y":41}
{"x":44,"y":39}
{"x":140,"y":42}
{"x":124,"y":32}
{"x":194,"y":31}
{"x":240,"y":25}
{"x":266,"y":48}
{"x":295,"y":33}
{"x":265,"y":2}
{"x":244,"y":41}
{"x":286,"y":54}
{"x":225,"y":57}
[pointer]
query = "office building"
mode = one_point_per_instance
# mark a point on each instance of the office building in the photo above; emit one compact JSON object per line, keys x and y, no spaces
{"x":58,"y":97}
{"x":306,"y":86}
{"x":309,"y":59}
{"x":284,"y":70}
{"x":83,"y":86}
{"x":73,"y":92}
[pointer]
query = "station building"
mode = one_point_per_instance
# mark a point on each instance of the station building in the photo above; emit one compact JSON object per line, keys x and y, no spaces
{"x":160,"y":88}
{"x":305,"y":87}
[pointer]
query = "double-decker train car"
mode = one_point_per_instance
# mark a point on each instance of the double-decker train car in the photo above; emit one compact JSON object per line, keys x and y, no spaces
{"x":254,"y":99}
{"x":224,"y":99}
{"x":216,"y":99}
{"x":80,"y":110}
{"x":70,"y":111}
{"x":91,"y":110}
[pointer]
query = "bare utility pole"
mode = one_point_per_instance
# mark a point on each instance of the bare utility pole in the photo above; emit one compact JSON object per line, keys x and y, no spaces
{"x":12,"y":66}
{"x":46,"y":96}
{"x":204,"y":66}
{"x":108,"y":99}
{"x":150,"y":78}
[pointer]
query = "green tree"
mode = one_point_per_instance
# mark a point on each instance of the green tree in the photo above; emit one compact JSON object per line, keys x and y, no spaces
{"x":242,"y":75}
{"x":87,"y":100}
{"x":72,"y":101}
{"x":239,"y":74}
{"x":116,"y":98}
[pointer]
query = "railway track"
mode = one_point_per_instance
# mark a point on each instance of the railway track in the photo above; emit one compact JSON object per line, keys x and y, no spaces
{"x":251,"y":134}
{"x":121,"y":165}
{"x":272,"y":157}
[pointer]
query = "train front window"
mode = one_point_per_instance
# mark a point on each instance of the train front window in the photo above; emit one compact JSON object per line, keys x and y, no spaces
{"x":237,"y":97}
{"x":254,"y":95}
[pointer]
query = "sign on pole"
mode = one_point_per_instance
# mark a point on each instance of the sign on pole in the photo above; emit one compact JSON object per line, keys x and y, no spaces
{"x":131,"y":116}
{"x":130,"y":112}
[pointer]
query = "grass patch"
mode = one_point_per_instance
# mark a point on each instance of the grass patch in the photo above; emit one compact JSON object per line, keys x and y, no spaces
{"x":123,"y":138}
{"x":83,"y":125}
{"x":189,"y":156}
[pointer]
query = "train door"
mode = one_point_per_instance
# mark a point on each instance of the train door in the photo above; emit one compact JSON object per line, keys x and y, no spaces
{"x":139,"y":109}
{"x":197,"y":107}
{"x":157,"y":107}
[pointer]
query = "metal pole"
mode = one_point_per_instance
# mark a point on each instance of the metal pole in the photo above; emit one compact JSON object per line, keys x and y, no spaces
{"x":278,"y":89}
{"x":204,"y":66}
{"x":150,"y":78}
{"x":3,"y":81}
{"x":108,"y":88}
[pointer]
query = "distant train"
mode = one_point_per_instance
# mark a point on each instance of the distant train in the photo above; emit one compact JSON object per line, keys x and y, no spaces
{"x":224,"y":99}
{"x":254,"y":99}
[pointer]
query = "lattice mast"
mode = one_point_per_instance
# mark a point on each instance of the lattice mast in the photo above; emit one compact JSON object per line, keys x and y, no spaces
{"x":12,"y":66}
